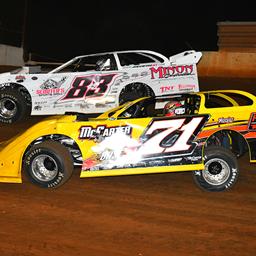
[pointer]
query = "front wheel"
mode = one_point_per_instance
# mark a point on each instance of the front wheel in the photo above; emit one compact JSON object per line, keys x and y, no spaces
{"x":48,"y":164}
{"x":221,"y":170}
{"x":13,"y":106}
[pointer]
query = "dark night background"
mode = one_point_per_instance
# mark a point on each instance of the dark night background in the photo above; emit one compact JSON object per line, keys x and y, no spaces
{"x":59,"y":30}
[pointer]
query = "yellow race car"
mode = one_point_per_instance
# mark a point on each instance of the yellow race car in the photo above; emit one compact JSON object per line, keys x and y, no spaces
{"x":203,"y":132}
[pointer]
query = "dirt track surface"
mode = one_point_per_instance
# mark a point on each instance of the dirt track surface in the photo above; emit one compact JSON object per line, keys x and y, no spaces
{"x":159,"y":214}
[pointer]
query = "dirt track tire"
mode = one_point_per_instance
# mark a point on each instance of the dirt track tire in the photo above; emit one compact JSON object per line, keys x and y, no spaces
{"x":134,"y":91}
{"x":221,"y":170}
{"x":13,"y":106}
{"x":48,"y":164}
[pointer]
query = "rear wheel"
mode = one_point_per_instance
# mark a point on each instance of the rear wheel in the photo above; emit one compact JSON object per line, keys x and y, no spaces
{"x":48,"y":164}
{"x":134,"y":91}
{"x":221,"y":170}
{"x":13,"y":106}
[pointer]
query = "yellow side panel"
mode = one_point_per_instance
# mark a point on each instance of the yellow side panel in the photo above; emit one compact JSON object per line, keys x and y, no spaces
{"x":144,"y":170}
{"x":11,"y":179}
{"x":11,"y":151}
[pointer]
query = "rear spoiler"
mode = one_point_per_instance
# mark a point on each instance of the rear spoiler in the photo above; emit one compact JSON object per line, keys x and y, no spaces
{"x":186,"y":57}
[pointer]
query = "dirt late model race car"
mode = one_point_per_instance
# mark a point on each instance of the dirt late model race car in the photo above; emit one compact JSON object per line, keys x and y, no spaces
{"x":96,"y":83}
{"x":205,"y":133}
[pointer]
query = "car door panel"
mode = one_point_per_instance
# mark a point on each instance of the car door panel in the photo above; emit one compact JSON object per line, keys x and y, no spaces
{"x":143,"y":145}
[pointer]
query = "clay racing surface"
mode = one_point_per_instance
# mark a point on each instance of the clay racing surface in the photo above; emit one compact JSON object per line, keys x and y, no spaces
{"x":158,"y":214}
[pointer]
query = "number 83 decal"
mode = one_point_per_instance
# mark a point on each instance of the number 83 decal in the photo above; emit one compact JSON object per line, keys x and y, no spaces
{"x":172,"y":135}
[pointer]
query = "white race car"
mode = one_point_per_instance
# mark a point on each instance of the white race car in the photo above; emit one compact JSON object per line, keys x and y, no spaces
{"x":95,"y":83}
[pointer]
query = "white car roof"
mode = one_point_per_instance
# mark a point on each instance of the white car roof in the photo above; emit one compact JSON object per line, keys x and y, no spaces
{"x":127,"y":51}
{"x":165,"y":59}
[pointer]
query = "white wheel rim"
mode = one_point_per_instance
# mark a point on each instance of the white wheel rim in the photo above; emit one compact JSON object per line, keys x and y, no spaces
{"x":44,"y":168}
{"x":216,"y":171}
{"x":8,"y":108}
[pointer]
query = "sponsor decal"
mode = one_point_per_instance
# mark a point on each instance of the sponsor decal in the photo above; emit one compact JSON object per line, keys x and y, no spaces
{"x":40,"y":102}
{"x":126,"y":76}
{"x":53,"y":83}
{"x":166,"y":88}
{"x":37,"y":108}
{"x":174,"y":160}
{"x":52,"y":92}
{"x":82,"y":105}
{"x":180,"y":111}
{"x":225,"y":120}
{"x":51,"y":87}
{"x":20,"y":78}
{"x":172,"y":71}
{"x":101,"y":131}
{"x":119,"y":149}
{"x":68,"y":106}
{"x":134,"y":75}
{"x":194,"y":158}
{"x":252,"y":122}
{"x":144,"y":73}
{"x":91,"y":163}
{"x":186,"y":87}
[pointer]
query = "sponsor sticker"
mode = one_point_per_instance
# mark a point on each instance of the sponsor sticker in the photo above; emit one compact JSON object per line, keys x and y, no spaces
{"x":88,"y":132}
{"x":252,"y":122}
{"x":172,"y":71}
{"x":52,"y":92}
{"x":226,"y":120}
{"x":186,"y":87}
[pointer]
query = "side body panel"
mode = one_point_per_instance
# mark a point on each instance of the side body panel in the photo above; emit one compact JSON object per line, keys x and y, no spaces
{"x":98,"y":91}
{"x":12,"y":151}
{"x":133,"y":146}
{"x":240,"y":119}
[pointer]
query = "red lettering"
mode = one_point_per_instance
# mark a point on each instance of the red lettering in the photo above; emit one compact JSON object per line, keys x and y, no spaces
{"x":50,"y":91}
{"x":171,"y":71}
{"x":159,"y":70}
{"x":166,"y":88}
{"x":164,"y":72}
{"x":189,"y":69}
{"x":180,"y":69}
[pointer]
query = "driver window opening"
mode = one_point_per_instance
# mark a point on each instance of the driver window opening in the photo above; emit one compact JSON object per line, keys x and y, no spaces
{"x":163,"y":107}
{"x":105,"y":62}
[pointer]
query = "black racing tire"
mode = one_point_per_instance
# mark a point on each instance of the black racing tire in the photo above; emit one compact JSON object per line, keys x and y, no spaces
{"x":13,"y":106}
{"x":48,"y":164}
{"x":221,"y":170}
{"x":134,"y":91}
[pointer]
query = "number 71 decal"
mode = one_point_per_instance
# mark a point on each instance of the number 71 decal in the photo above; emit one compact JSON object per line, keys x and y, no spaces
{"x":172,"y":135}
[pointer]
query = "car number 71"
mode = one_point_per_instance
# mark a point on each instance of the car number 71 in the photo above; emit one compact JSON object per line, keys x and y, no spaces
{"x":182,"y":129}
